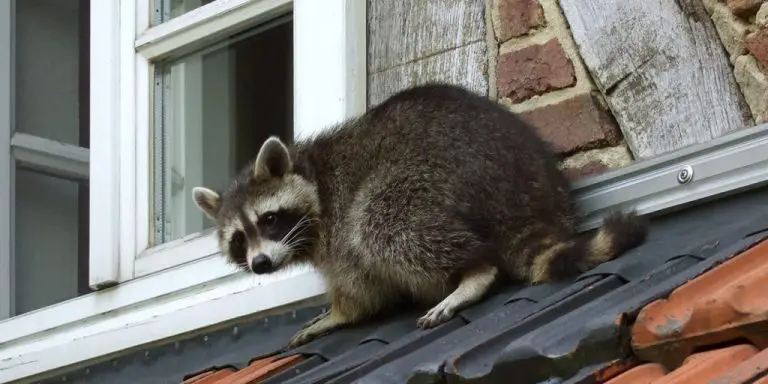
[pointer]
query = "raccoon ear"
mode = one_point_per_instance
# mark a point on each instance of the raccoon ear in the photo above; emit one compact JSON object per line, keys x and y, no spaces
{"x":273,"y":159}
{"x":207,"y":200}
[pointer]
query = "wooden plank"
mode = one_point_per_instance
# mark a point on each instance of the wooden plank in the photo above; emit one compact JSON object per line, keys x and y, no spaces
{"x":463,"y":66}
{"x":404,"y":31}
{"x":662,"y":68}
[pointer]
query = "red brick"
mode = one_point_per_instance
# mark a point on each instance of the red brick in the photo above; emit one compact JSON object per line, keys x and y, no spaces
{"x":757,"y":45}
{"x":574,"y":124}
{"x":534,"y":70}
{"x":518,"y":17}
{"x":744,"y":8}
{"x":725,"y":304}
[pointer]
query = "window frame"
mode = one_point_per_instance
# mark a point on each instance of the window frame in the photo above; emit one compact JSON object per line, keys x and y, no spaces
{"x":123,"y":47}
{"x":162,"y":302}
{"x":20,"y":150}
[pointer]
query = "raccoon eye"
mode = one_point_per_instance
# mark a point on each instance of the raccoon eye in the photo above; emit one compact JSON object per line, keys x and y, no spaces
{"x":270,"y":218}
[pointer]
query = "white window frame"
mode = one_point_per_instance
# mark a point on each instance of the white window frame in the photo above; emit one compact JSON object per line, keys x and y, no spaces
{"x":329,"y":84}
{"x":149,"y":303}
{"x":27,"y":151}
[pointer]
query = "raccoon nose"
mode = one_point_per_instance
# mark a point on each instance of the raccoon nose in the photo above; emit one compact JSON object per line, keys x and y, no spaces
{"x":261,"y":263}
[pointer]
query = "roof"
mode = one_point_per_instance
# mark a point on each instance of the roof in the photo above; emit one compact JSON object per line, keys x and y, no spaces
{"x":684,"y":307}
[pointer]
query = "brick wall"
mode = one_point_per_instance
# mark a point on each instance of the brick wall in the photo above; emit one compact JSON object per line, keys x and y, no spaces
{"x":539,"y":74}
{"x":743,"y":28}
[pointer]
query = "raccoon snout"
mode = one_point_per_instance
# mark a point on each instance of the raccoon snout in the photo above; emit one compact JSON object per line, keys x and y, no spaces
{"x":261,"y":263}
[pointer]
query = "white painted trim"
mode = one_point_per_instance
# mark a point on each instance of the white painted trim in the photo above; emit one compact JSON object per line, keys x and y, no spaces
{"x":177,"y":252}
{"x":206,"y":24}
{"x":51,"y":157}
{"x":329,"y":79}
{"x":128,"y":117}
{"x":7,"y":167}
{"x":105,"y":150}
{"x":202,"y":306}
{"x":137,"y":292}
{"x":141,"y":220}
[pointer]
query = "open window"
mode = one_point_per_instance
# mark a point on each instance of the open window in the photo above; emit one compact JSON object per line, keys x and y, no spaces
{"x":174,"y":94}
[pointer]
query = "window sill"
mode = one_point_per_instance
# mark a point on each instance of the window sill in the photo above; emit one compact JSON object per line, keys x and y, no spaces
{"x":162,"y":305}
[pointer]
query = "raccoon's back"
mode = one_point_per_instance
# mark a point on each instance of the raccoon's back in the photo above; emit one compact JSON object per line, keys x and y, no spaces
{"x":464,"y":147}
{"x":444,"y":127}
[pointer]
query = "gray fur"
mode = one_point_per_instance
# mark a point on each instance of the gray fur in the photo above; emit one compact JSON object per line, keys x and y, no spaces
{"x":431,"y":197}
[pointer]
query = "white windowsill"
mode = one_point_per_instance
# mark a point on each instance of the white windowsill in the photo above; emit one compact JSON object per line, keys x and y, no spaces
{"x":147,"y":310}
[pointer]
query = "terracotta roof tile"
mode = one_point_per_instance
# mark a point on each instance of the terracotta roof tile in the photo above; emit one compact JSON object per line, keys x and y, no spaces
{"x":747,"y":372}
{"x":724,"y":304}
{"x":643,"y":374}
{"x":738,"y":364}
{"x":256,"y":372}
{"x":209,"y":377}
{"x":262,"y":369}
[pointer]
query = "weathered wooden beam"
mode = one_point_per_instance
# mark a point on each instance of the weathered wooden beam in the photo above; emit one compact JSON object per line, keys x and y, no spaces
{"x":414,"y":41}
{"x":662,"y":68}
{"x":463,"y":66}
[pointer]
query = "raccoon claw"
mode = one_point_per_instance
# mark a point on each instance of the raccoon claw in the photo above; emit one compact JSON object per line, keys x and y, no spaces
{"x":299,"y":339}
{"x":316,"y":319}
{"x":306,"y":335}
{"x":436,"y":316}
{"x":318,"y":327}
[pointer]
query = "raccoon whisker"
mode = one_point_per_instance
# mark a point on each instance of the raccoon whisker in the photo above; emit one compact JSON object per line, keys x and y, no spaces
{"x":294,"y":229}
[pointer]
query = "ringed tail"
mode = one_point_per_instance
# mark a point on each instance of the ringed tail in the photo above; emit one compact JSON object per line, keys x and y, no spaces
{"x":620,"y":232}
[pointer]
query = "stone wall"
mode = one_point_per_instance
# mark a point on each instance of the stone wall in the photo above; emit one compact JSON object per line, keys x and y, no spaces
{"x":521,"y":54}
{"x":743,"y":28}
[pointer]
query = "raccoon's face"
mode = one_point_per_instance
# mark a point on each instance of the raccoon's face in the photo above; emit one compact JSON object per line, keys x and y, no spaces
{"x":268,"y":217}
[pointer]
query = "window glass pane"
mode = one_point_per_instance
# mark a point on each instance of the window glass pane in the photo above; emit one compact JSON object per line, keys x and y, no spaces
{"x":51,"y":243}
{"x":168,"y":9}
{"x":217,"y":106}
{"x":48,"y":39}
{"x":51,"y":100}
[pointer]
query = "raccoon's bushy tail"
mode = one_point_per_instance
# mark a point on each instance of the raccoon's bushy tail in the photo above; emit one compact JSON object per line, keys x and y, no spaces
{"x":620,"y":232}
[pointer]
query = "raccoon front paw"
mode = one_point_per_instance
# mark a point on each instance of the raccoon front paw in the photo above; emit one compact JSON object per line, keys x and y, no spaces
{"x":436,"y":316}
{"x":300,"y":338}
{"x":306,"y":335}
{"x":320,"y":326}
{"x":316,"y":319}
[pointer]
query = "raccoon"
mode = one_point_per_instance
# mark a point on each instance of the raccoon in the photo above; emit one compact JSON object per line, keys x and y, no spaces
{"x":433,"y":197}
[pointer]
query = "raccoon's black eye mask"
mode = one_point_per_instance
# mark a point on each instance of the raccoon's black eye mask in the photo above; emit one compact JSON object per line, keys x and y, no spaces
{"x":238,"y":249}
{"x":276,"y":225}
